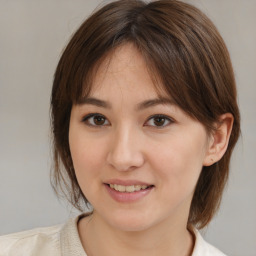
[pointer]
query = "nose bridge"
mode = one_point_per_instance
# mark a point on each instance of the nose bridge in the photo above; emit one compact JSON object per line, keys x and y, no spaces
{"x":125,"y":151}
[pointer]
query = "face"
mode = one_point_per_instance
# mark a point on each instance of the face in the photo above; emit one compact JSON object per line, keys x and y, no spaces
{"x":137,"y":156}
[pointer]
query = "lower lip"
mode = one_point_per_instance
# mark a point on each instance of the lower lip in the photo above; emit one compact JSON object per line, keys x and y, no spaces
{"x":128,"y":197}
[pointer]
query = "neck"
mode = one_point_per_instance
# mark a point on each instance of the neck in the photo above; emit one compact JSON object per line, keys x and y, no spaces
{"x":163,"y":239}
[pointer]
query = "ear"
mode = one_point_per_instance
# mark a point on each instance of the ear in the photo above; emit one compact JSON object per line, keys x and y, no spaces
{"x":218,"y":141}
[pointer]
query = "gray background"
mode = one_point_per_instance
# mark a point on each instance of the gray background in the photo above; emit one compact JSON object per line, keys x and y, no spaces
{"x":32,"y":36}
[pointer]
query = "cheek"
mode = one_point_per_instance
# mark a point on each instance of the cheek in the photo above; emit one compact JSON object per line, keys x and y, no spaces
{"x":87,"y":160}
{"x":179,"y":162}
{"x":84,"y":149}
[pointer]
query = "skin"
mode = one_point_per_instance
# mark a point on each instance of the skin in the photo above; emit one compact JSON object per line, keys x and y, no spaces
{"x":127,"y":143}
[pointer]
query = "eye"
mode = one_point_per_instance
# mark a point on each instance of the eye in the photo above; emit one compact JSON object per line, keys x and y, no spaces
{"x":159,"y":121}
{"x":95,"y":120}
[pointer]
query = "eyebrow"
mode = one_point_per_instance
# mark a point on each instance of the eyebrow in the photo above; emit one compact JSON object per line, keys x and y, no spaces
{"x":140,"y":106}
{"x":154,"y":102}
{"x":95,"y":102}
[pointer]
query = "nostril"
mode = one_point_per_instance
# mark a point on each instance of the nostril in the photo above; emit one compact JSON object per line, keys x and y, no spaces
{"x":126,"y":162}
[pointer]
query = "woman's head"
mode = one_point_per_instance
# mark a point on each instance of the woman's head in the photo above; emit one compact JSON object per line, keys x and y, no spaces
{"x":186,"y":59}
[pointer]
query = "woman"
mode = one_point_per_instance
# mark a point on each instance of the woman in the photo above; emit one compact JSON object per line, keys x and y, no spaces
{"x":144,"y":120}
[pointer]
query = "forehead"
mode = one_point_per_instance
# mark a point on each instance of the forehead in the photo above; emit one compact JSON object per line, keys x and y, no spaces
{"x":125,"y":69}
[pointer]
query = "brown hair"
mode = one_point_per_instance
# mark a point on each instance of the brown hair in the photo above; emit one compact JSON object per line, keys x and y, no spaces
{"x":185,"y":51}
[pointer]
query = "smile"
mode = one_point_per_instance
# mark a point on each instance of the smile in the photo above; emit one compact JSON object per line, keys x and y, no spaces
{"x":128,"y":189}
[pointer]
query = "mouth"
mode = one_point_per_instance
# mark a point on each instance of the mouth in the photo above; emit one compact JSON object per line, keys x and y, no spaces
{"x":130,"y":188}
{"x":128,"y":191}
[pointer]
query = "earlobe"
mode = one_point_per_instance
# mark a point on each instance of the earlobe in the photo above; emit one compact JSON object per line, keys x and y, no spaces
{"x":219,"y":140}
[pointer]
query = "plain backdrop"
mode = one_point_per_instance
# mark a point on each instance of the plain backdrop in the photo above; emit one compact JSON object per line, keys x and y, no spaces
{"x":32,"y":36}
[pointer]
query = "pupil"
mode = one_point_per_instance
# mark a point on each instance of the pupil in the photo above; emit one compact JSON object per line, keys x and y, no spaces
{"x":159,"y":121}
{"x":99,"y":120}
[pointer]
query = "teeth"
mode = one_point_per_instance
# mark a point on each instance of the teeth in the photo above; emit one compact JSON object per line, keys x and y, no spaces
{"x":120,"y":188}
{"x":128,"y":189}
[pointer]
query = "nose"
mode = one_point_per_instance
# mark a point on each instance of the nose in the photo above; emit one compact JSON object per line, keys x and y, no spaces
{"x":125,"y":152}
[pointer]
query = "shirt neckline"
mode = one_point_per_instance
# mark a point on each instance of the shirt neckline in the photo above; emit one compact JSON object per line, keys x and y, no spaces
{"x":71,"y":244}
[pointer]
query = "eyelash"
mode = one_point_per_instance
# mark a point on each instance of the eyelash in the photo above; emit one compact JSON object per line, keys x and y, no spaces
{"x":92,"y":115}
{"x":87,"y":118}
{"x":166,"y":119}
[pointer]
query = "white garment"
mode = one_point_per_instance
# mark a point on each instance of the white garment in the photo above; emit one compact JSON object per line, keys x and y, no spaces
{"x":63,"y":240}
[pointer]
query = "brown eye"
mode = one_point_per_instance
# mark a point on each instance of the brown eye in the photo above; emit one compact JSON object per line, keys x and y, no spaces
{"x":99,"y":120}
{"x":159,"y":121}
{"x":95,"y":120}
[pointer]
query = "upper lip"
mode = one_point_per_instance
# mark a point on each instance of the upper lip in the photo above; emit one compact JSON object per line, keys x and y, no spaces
{"x":127,"y":182}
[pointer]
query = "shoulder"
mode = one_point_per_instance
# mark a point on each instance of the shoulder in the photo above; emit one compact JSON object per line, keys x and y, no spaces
{"x":202,"y":248}
{"x":40,"y":241}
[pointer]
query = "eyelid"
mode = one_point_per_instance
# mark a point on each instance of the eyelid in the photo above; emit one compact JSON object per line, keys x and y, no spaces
{"x":88,"y":116}
{"x":170,"y":120}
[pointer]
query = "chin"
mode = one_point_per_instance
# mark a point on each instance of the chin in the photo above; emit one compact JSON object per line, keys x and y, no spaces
{"x":129,"y":221}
